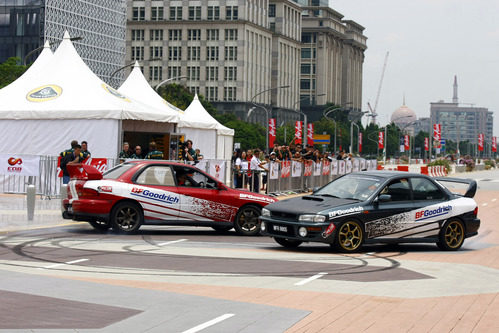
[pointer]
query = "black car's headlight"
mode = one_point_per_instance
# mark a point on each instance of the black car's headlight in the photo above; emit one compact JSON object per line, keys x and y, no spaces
{"x":265,"y":212}
{"x":311,"y":218}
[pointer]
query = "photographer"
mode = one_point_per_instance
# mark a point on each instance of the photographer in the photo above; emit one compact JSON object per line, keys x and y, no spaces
{"x":189,"y":153}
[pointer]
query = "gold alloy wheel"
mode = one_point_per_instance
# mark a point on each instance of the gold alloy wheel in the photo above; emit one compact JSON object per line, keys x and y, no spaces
{"x":350,"y":236}
{"x":454,"y":234}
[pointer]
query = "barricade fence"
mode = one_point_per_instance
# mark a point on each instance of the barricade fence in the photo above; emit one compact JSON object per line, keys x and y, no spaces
{"x":283,"y":177}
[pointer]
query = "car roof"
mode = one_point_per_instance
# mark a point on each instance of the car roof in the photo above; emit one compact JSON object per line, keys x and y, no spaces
{"x":388,"y":174}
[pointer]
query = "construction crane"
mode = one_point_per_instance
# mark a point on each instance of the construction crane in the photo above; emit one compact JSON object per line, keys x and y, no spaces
{"x":373,"y":111}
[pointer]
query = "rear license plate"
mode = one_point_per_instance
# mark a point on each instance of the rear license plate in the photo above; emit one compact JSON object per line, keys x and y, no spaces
{"x":280,"y":228}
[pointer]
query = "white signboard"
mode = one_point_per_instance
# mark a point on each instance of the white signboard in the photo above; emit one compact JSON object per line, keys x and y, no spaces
{"x":19,"y":165}
{"x":274,"y":170}
{"x":334,"y":167}
{"x":217,"y":169}
{"x":348,"y":166}
{"x":341,"y":167}
{"x":317,"y":169}
{"x":356,"y":165}
{"x":296,"y":169}
{"x":363,"y":165}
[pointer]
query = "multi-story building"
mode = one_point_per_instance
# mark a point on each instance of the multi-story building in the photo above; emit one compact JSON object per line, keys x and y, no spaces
{"x":332,"y":58}
{"x":234,"y":52}
{"x":462,"y":123}
{"x":99,"y":26}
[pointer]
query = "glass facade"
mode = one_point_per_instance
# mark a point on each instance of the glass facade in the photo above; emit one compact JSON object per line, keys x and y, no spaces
{"x":26,"y":24}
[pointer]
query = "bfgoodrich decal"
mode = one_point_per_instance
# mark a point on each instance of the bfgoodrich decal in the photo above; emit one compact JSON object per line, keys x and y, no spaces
{"x":348,"y":211}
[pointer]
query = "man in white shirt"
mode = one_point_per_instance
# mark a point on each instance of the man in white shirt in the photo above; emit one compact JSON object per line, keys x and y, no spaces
{"x":256,"y":166}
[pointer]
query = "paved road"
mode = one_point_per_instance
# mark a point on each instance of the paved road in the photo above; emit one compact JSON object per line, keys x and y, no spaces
{"x":172,"y":279}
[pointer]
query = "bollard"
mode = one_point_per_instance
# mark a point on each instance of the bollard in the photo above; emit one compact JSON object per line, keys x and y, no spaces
{"x":30,"y":200}
{"x":64,"y":195}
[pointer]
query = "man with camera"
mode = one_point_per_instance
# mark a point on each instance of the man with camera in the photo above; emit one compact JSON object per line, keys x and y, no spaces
{"x":73,"y":157}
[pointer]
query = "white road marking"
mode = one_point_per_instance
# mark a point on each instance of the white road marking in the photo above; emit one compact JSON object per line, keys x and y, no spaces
{"x":484,"y":204}
{"x":65,"y":263}
{"x":209,"y":323}
{"x":172,"y":242}
{"x":312,"y":278}
{"x":493,"y":200}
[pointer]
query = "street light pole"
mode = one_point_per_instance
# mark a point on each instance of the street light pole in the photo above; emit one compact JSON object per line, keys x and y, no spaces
{"x":352,"y":124}
{"x":266,"y":113}
{"x":25,"y":60}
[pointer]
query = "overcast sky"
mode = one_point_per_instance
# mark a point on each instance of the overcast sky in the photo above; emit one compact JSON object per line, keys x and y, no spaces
{"x":429,"y":42}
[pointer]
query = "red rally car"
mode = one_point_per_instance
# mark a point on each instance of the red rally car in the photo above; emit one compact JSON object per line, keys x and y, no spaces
{"x":159,"y":192}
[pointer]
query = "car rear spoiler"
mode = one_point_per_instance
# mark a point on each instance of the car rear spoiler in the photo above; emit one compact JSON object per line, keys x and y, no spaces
{"x":83,"y":171}
{"x":470,"y":192}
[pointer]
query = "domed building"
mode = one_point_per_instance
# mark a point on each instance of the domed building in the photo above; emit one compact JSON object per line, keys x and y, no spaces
{"x":404,"y":117}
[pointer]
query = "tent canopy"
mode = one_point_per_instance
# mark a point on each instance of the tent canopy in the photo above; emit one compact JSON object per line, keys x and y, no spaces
{"x":65,"y":88}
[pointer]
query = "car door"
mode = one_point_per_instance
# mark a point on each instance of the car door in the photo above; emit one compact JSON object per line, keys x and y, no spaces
{"x":157,"y":193}
{"x":430,"y":207}
{"x":390,"y":215}
{"x":200,"y":198}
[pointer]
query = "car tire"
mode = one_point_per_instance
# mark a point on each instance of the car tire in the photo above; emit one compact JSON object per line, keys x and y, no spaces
{"x":451,"y":236}
{"x":288,"y":243}
{"x":246,"y":222}
{"x":222,"y":228}
{"x":126,"y":217}
{"x":349,"y":237}
{"x":100,"y":225}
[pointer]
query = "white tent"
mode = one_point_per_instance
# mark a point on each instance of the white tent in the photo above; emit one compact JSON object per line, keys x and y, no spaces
{"x":206,"y":132}
{"x":137,"y":87}
{"x":40,"y":114}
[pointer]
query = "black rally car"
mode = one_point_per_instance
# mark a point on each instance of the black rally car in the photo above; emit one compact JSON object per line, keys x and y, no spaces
{"x":376,"y":207}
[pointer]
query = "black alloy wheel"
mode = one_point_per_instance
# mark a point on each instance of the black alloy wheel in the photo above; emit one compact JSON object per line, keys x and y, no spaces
{"x":126,"y":217}
{"x":246,"y":222}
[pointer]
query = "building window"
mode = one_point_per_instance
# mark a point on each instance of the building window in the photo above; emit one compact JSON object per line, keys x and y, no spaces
{"x":229,"y":94}
{"x":175,"y":13}
{"x":305,"y":84}
{"x":193,"y":52}
{"x":213,"y":13}
{"x":306,"y":68}
{"x":230,"y":34}
{"x":271,"y":10}
{"x":155,"y":52}
{"x":231,"y":53}
{"x":307,"y":53}
{"x":138,"y":14}
{"x":155,"y":73}
{"x":212,"y":53}
{"x":194,"y":34}
{"x":156,"y":34}
{"x":193,"y":73}
{"x":175,"y":34}
{"x":212,"y":73}
{"x":157,"y":14}
{"x":137,"y":53}
{"x":194,"y":13}
{"x":174,"y":71}
{"x":212,"y":34}
{"x":194,"y":89}
{"x":308,"y":38}
{"x":231,"y":13}
{"x":230,"y":73}
{"x":174,"y":53}
{"x":212,"y":93}
{"x":137,"y":34}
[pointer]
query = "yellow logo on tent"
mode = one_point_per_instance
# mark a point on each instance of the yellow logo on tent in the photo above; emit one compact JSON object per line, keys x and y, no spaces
{"x":44,"y":93}
{"x":114,"y":92}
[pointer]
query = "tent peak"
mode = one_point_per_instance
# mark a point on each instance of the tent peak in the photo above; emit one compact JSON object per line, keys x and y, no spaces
{"x":46,"y":45}
{"x":136,"y":64}
{"x":196,"y":97}
{"x":66,"y":35}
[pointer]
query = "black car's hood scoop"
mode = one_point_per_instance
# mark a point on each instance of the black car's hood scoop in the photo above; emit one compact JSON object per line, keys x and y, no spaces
{"x":309,"y":204}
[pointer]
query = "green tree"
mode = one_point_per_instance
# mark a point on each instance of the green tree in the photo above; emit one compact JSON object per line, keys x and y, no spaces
{"x":10,"y":70}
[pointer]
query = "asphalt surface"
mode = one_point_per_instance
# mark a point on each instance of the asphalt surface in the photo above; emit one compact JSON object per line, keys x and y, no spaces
{"x":64,"y":276}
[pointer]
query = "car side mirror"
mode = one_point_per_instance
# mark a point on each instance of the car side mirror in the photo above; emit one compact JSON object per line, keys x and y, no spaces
{"x":384,"y":198}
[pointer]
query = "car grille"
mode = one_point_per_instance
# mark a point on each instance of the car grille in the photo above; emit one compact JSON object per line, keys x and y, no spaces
{"x":284,"y":216}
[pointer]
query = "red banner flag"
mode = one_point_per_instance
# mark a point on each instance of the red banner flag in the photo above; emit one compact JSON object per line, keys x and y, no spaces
{"x":360,"y":142}
{"x":427,"y":144}
{"x":407,"y":143}
{"x":310,"y":134}
{"x":480,"y":141}
{"x":437,"y":135}
{"x":298,"y":132}
{"x":381,"y":140}
{"x":494,"y":144}
{"x":272,"y":132}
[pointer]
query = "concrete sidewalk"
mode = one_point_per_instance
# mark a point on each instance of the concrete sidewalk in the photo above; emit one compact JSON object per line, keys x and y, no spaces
{"x":14,"y":213}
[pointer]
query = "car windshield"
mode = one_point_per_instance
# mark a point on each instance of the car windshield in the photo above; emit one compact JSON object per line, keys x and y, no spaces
{"x":351,"y":187}
{"x":117,"y":171}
